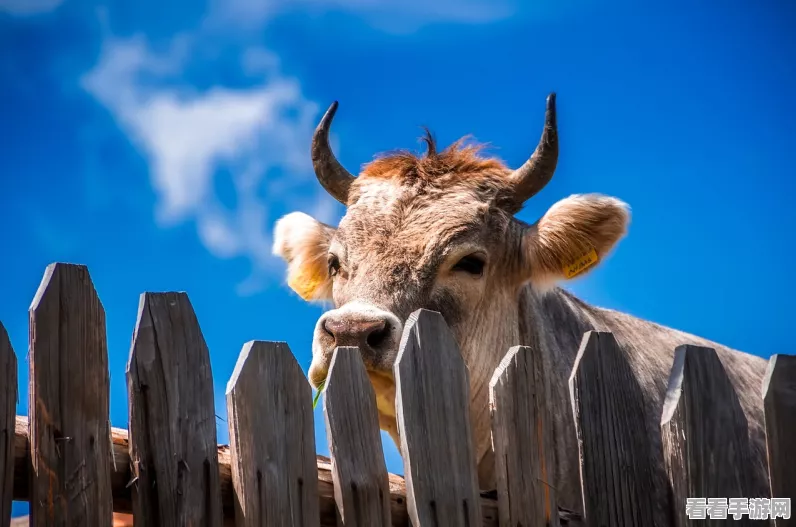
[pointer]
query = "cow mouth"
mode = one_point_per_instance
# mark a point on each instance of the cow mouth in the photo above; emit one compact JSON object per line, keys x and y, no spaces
{"x":383,"y":383}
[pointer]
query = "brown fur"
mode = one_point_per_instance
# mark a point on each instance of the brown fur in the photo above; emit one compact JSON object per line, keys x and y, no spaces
{"x":412,"y":218}
{"x":460,"y":165}
{"x":459,"y":159}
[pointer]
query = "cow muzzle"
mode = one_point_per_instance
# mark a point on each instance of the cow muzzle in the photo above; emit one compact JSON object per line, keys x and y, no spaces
{"x":376,"y":332}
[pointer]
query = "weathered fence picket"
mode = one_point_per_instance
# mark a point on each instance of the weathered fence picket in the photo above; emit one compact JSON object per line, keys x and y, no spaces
{"x":70,"y":443}
{"x":172,"y":417}
{"x":779,"y":402}
{"x":703,"y":455}
{"x":614,"y":445}
{"x":8,"y":405}
{"x":522,"y":438}
{"x":361,"y":486}
{"x":272,"y":440}
{"x":433,"y":396}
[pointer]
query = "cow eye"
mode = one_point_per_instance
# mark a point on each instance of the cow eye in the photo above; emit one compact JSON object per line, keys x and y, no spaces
{"x":334,"y":264}
{"x":470,"y":264}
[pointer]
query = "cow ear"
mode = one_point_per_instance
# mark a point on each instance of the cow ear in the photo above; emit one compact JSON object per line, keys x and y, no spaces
{"x":573,"y":236}
{"x":303,"y":243}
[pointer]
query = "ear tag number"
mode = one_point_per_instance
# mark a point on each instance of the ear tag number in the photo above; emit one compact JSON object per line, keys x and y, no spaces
{"x":582,"y":264}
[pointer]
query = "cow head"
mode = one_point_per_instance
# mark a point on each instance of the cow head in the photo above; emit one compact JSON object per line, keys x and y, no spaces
{"x":437,"y":231}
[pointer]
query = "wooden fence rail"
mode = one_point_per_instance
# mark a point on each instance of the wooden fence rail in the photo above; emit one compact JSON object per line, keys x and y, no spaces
{"x":518,"y":396}
{"x":703,"y":455}
{"x":779,"y":403}
{"x":172,"y":416}
{"x":352,"y":425}
{"x":433,"y":396}
{"x":168,"y":470}
{"x":614,"y":447}
{"x":269,"y":405}
{"x":69,"y":401}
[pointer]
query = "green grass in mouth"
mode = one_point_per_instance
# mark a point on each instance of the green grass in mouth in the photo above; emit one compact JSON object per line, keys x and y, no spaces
{"x":318,"y":395}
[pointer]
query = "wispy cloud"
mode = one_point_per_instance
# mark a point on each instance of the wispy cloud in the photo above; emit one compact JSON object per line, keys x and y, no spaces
{"x":28,"y":7}
{"x":189,"y":135}
{"x":391,"y":15}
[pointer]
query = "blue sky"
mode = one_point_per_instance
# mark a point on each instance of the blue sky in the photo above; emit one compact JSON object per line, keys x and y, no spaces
{"x":159,"y":142}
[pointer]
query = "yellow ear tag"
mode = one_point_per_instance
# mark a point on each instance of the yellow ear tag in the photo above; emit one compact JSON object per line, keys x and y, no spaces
{"x":581,"y":264}
{"x":306,"y":282}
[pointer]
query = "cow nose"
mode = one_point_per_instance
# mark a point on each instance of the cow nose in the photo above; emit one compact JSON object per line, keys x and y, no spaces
{"x":364,"y":333}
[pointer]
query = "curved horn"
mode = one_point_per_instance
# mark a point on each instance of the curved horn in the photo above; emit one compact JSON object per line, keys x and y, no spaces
{"x":532,"y":176}
{"x":334,"y":178}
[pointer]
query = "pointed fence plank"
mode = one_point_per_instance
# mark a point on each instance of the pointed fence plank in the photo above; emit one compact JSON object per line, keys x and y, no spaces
{"x":272,"y":439}
{"x":779,"y":401}
{"x":522,"y":438}
{"x":704,"y":434}
{"x":172,"y":417}
{"x":614,"y":446}
{"x":362,"y":491}
{"x":433,"y":397}
{"x":8,"y":405}
{"x":70,"y":443}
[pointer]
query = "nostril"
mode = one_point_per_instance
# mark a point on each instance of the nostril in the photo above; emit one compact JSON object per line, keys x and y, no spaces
{"x":331,"y":327}
{"x":378,"y":336}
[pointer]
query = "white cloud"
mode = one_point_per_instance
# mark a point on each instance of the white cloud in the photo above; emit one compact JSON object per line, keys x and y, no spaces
{"x":189,"y":135}
{"x":28,"y":7}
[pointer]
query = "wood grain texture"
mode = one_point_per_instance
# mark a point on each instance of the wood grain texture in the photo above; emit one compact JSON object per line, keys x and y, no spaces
{"x":779,"y":401}
{"x":433,"y":396}
{"x":70,"y":443}
{"x":8,"y":405}
{"x":362,"y":491}
{"x":122,"y":497}
{"x":272,"y":439}
{"x":172,"y":417}
{"x":704,"y":433}
{"x":522,"y":439}
{"x":614,"y":445}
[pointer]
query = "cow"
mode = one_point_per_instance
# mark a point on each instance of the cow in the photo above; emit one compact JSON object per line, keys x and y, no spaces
{"x":437,"y":231}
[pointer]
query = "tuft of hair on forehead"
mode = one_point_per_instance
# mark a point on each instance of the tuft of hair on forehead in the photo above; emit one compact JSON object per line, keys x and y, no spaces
{"x":460,"y":162}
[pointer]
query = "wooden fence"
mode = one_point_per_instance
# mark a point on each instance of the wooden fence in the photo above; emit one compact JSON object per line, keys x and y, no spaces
{"x":75,"y":469}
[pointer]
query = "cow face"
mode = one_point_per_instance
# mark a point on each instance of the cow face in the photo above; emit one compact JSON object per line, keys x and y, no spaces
{"x":437,"y":232}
